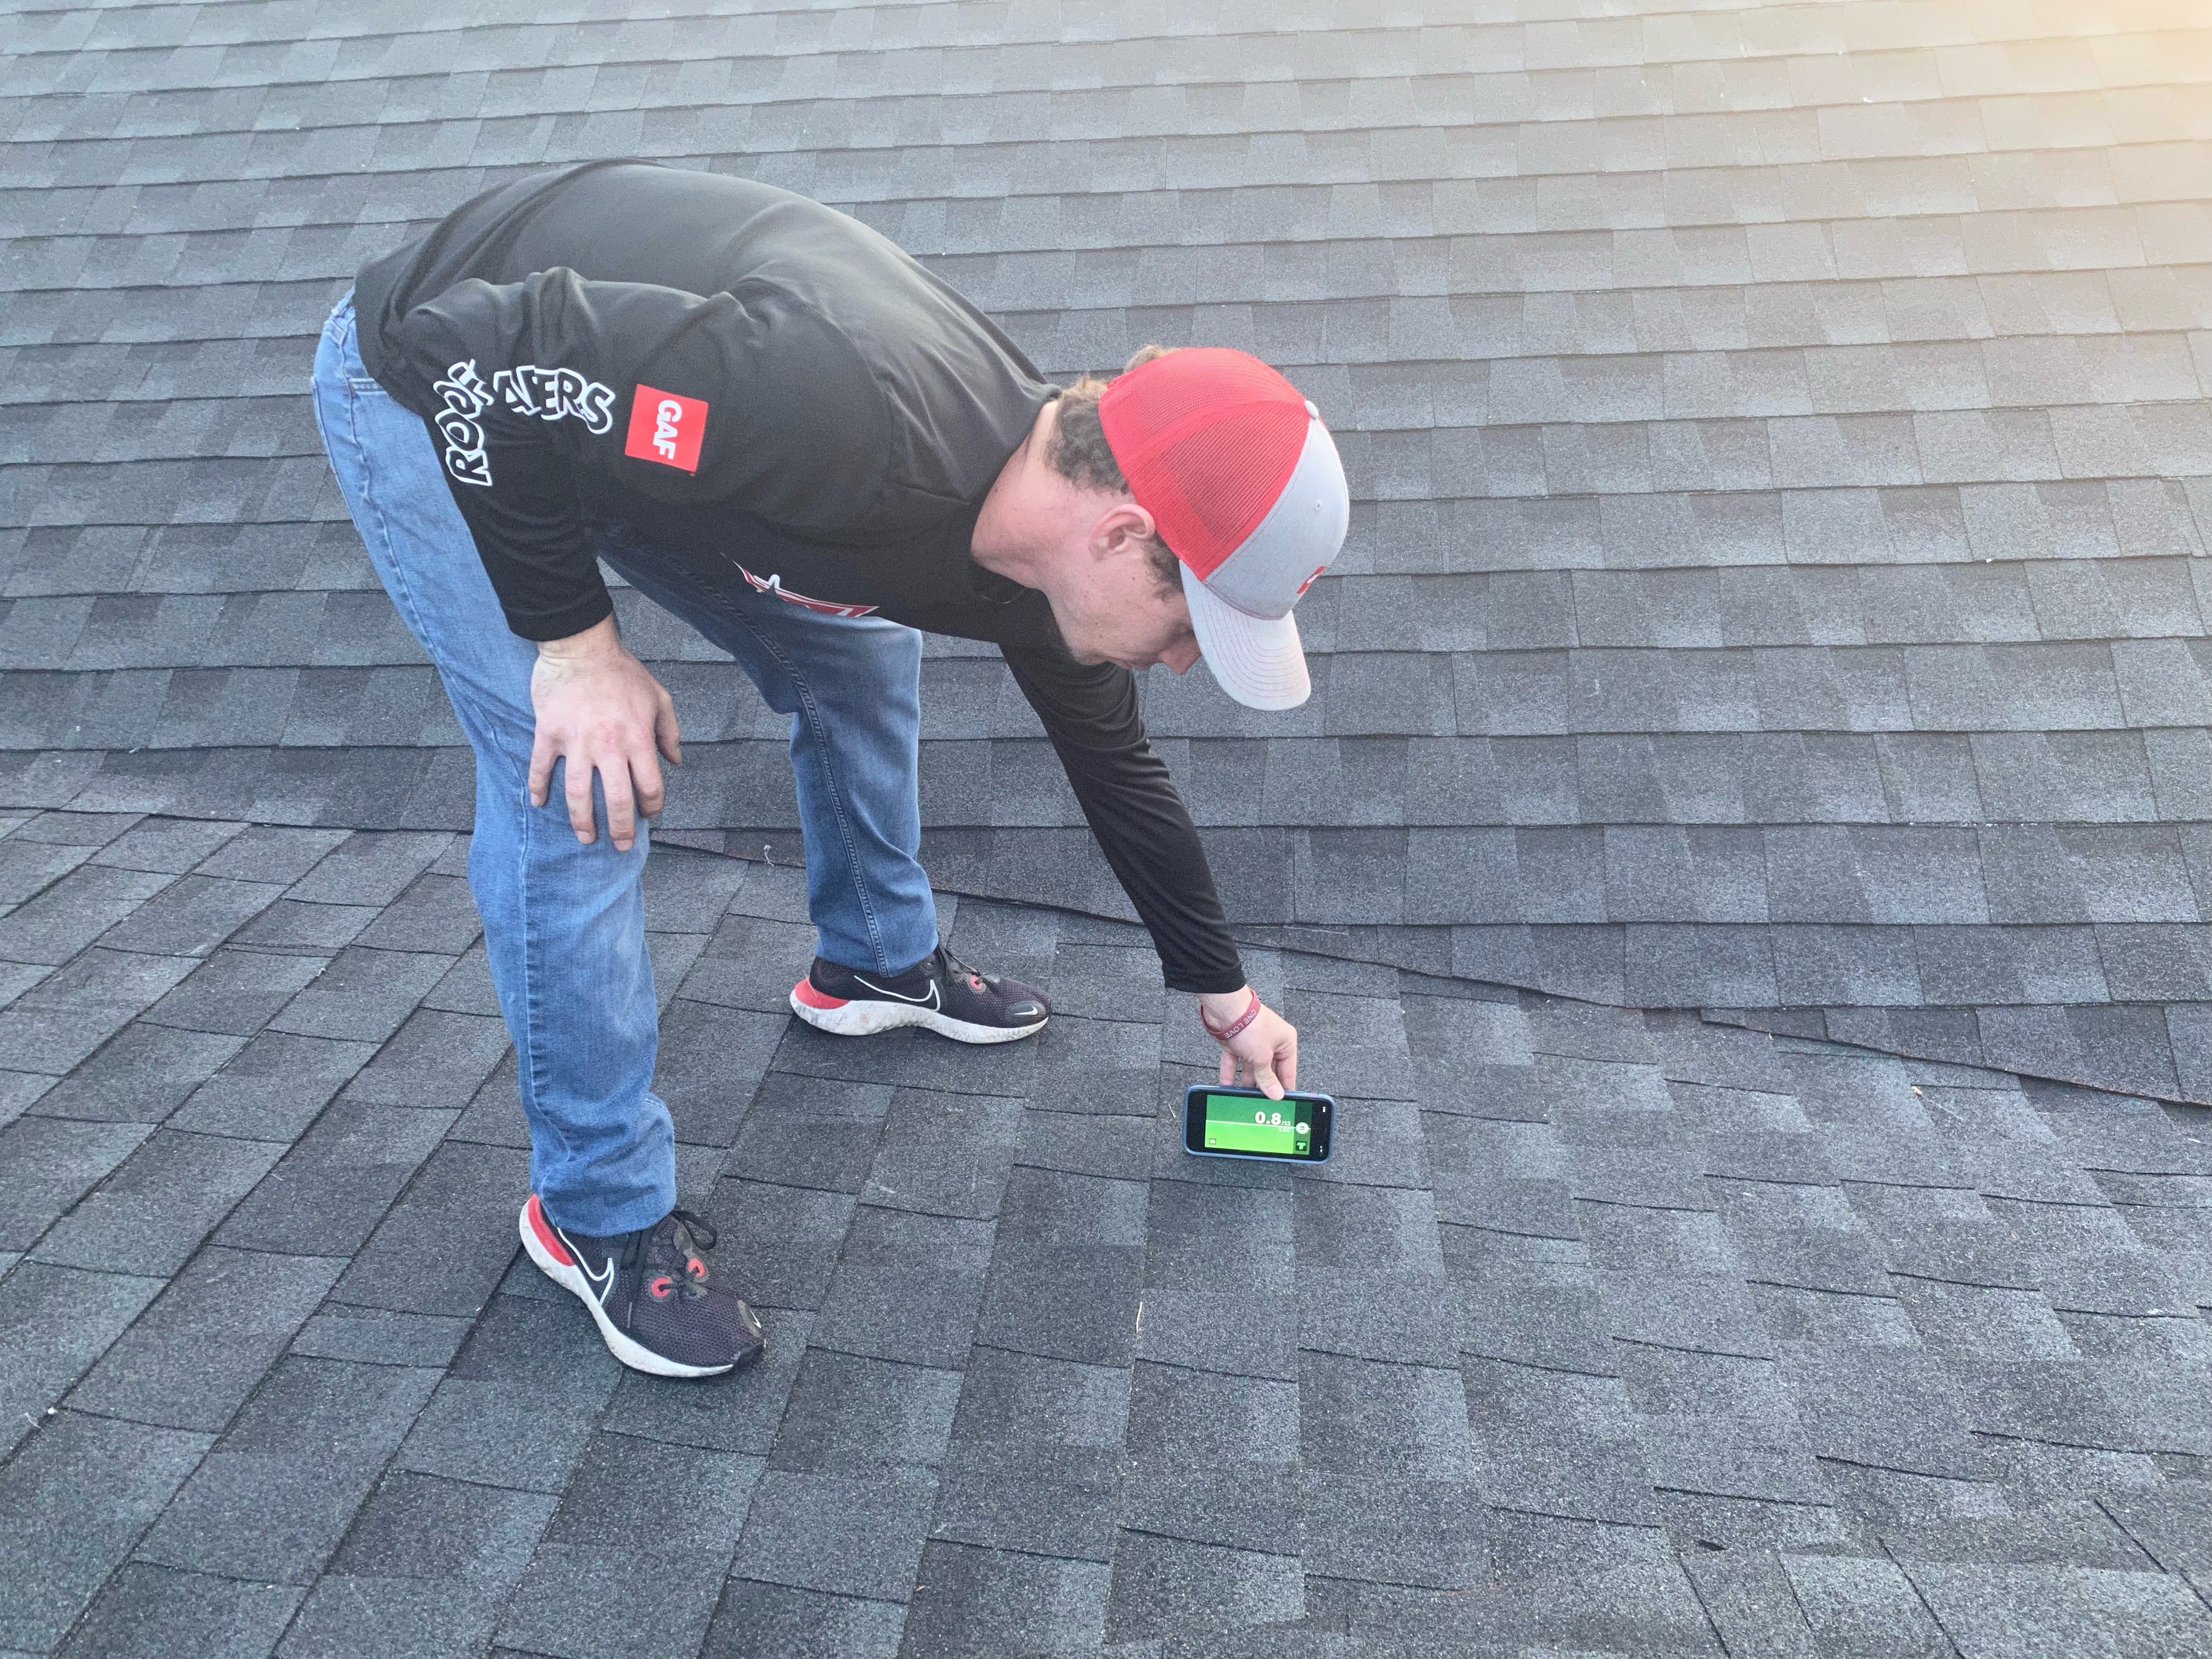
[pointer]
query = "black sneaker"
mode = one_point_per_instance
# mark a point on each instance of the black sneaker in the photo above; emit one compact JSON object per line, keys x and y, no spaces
{"x":648,"y":1292}
{"x":937,"y":992}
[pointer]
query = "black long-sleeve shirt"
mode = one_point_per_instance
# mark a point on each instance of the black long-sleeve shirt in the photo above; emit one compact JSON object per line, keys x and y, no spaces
{"x":752,"y":380}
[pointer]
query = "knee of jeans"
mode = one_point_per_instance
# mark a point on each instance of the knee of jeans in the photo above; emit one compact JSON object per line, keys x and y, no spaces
{"x":899,"y":660}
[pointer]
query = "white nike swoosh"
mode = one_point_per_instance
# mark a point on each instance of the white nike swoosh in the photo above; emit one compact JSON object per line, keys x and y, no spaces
{"x":601,"y":1282}
{"x":929,"y":1001}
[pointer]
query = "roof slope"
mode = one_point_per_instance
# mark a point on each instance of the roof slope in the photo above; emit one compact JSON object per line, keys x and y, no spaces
{"x":1778,"y":432}
{"x":1606,"y":1332}
{"x":1775,"y":589}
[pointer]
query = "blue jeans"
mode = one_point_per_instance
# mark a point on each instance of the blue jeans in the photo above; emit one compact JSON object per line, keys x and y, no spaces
{"x":564,"y":923}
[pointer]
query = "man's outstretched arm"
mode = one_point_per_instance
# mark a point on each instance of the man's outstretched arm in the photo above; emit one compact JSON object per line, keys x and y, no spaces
{"x":1089,"y":713}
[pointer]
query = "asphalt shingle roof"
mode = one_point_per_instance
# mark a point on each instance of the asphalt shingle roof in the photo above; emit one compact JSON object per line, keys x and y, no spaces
{"x":1778,"y":436}
{"x":1745,"y":866}
{"x":1606,"y":1330}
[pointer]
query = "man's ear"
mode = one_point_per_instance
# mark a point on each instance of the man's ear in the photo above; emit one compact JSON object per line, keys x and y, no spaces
{"x":1122,"y":529}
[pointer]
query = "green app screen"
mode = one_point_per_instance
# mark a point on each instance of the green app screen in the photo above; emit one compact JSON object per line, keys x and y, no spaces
{"x":1238,"y":1123}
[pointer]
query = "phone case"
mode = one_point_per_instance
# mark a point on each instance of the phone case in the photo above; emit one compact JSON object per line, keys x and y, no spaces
{"x":1194,"y":1091}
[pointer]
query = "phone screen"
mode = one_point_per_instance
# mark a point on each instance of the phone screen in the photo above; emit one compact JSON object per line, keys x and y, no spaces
{"x":1254,"y":1126}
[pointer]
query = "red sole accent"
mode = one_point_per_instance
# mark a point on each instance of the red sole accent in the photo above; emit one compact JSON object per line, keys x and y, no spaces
{"x":805,"y":993}
{"x":546,"y":1235}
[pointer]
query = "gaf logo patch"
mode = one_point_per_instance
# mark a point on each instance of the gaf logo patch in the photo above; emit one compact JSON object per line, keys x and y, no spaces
{"x":665,"y":428}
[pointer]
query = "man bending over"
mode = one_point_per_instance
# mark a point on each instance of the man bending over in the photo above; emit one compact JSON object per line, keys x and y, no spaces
{"x":778,"y":426}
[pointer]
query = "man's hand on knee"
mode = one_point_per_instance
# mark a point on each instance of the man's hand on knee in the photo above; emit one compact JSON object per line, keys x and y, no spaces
{"x":599,"y":710}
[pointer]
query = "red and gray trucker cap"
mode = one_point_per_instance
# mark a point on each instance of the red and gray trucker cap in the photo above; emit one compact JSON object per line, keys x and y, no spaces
{"x":1244,"y":486}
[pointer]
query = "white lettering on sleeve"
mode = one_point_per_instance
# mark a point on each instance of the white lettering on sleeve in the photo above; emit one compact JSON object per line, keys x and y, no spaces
{"x":549,"y":394}
{"x":465,"y":397}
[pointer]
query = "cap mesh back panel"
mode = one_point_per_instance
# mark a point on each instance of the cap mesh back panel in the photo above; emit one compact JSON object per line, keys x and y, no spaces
{"x":1206,"y":448}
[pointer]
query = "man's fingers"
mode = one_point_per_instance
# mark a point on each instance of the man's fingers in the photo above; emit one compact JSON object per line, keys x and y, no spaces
{"x":541,"y":756}
{"x":645,"y":777}
{"x":1263,"y":1079}
{"x":622,"y":818}
{"x":1286,"y":1061}
{"x":577,"y":786}
{"x":666,"y":736}
{"x":1228,"y":1068}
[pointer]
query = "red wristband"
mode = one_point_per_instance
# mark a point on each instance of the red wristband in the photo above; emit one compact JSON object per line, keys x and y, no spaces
{"x":1227,"y":1032}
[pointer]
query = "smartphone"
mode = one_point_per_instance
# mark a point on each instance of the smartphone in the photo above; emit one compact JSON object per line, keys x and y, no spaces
{"x":1218,"y":1122}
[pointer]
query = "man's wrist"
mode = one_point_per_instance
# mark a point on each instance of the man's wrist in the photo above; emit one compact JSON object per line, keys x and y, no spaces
{"x":598,"y":642}
{"x":1224,"y":1016}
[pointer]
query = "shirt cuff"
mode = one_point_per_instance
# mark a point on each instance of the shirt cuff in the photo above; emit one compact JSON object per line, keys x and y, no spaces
{"x":570,"y":619}
{"x":1218,"y":982}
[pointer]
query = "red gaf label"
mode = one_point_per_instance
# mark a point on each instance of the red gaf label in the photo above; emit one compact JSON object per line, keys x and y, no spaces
{"x":665,"y":428}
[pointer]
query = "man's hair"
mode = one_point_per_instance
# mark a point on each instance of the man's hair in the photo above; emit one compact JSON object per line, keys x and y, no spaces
{"x":1080,"y":453}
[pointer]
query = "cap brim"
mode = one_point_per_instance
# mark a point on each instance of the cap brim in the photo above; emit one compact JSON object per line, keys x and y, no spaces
{"x":1258,"y":660}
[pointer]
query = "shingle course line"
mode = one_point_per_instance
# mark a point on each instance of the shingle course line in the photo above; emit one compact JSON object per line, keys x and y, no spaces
{"x":1790,"y":405}
{"x":2167,"y":193}
{"x":1528,"y":13}
{"x":1834,"y":19}
{"x":881,"y":109}
{"x":2158,"y":70}
{"x":2077,"y":322}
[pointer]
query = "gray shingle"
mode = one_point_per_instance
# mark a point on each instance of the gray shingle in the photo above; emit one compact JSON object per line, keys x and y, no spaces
{"x":1850,"y":1600}
{"x":190,"y":1361}
{"x":362,"y":996}
{"x":944,"y":1154}
{"x":1066,"y":1301}
{"x":756,"y":1621}
{"x":140,"y":1077}
{"x":275,"y":1496}
{"x":153,"y":1209}
{"x":997,"y":1602}
{"x":436,"y":1059}
{"x":809,"y":1131}
{"x":379,"y":1337}
{"x":420,"y":1526}
{"x":689,"y":1502}
{"x":853,"y":1534}
{"x":1171,"y":1587}
{"x":74,"y":1501}
{"x":347,"y":1615}
{"x":1035,"y":1456}
{"x":368,"y":869}
{"x":784,"y":1244}
{"x":1996,"y":1604}
{"x":73,"y":912}
{"x":850,"y":1413}
{"x":710,"y":1060}
{"x":273,"y":1087}
{"x":907,"y":1287}
{"x":442,"y":1246}
{"x":338,"y":1179}
{"x":85,"y":1311}
{"x":498,"y":1417}
{"x":145,"y":1610}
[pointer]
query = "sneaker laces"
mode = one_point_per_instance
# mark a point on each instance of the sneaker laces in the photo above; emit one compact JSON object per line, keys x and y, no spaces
{"x":956,"y":969}
{"x":688,"y":1234}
